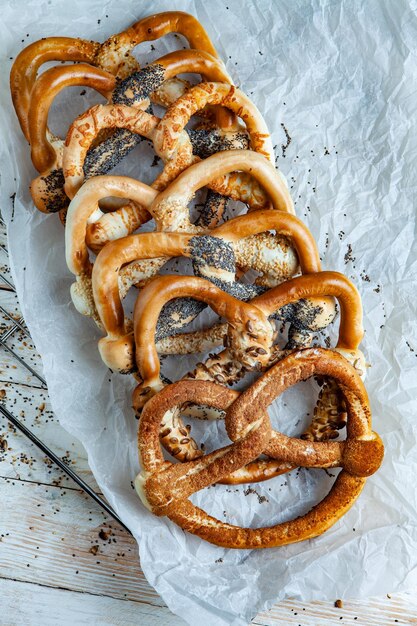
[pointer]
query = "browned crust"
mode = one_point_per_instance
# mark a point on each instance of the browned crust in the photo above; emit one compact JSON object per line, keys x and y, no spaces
{"x":113,"y":55}
{"x":359,"y":456}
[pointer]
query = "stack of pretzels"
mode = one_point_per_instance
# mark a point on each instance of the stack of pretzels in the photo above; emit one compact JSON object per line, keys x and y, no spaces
{"x":210,"y":136}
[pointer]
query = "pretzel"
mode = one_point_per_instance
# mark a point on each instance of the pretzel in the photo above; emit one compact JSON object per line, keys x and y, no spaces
{"x":85,"y":208}
{"x":176,"y":157}
{"x":210,"y":258}
{"x":181,"y":189}
{"x":139,"y":86}
{"x":114,"y":55}
{"x":231,"y":365}
{"x":164,"y":487}
{"x":47,"y":152}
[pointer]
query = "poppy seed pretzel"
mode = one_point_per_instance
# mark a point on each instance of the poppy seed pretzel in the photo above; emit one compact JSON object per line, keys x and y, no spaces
{"x":138,"y":87}
{"x":113,"y":56}
{"x":210,"y":259}
{"x":47,"y":194}
{"x":165,"y":488}
{"x":189,"y":182}
{"x":224,"y":367}
{"x":176,"y":158}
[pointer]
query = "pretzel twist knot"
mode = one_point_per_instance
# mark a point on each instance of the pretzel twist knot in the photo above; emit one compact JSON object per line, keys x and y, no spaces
{"x":165,"y":487}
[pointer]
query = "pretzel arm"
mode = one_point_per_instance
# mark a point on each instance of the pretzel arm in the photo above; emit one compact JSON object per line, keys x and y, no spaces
{"x":316,"y":289}
{"x":142,"y":83}
{"x":45,"y":90}
{"x":25,"y":68}
{"x":192,"y":342}
{"x":152,"y":28}
{"x":170,"y":208}
{"x":115,"y":225}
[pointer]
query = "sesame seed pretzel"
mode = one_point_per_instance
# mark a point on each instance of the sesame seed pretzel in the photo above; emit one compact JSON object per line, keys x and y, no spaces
{"x":164,"y":487}
{"x":84,"y":210}
{"x":47,"y":150}
{"x":256,"y":341}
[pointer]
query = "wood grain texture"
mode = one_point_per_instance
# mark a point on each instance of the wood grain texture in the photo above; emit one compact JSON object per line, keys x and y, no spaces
{"x":28,"y":604}
{"x":60,"y":538}
{"x":21,"y":459}
{"x":396,"y":611}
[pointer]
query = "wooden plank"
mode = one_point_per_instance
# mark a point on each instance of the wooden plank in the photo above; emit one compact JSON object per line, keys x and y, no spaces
{"x":26,"y":604}
{"x":61,"y":538}
{"x":22,"y":460}
{"x":398,"y":610}
{"x":50,"y":536}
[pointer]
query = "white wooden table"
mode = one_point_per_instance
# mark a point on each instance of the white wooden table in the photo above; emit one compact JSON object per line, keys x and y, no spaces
{"x":62,"y":559}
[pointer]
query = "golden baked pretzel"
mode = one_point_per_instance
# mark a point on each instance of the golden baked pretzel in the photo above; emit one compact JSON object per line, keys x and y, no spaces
{"x":214,"y":265}
{"x":247,"y":343}
{"x":25,"y":68}
{"x":114,"y":55}
{"x":47,"y":150}
{"x":165,"y":488}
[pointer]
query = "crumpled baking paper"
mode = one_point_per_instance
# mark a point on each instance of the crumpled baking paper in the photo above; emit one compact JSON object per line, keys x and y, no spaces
{"x":336,"y":82}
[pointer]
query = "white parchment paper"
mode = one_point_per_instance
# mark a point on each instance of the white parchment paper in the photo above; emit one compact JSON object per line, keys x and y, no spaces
{"x":341,"y":78}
